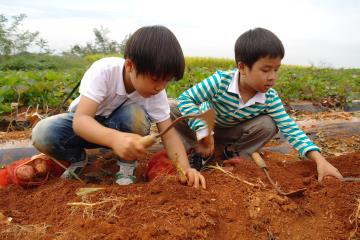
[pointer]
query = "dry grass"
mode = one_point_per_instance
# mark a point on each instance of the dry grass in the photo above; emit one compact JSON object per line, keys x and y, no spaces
{"x":106,"y":206}
{"x":354,"y":219}
{"x":17,"y":231}
{"x":227,"y":173}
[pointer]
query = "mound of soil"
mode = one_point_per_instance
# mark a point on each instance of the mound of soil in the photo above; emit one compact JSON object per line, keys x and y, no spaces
{"x":164,"y":209}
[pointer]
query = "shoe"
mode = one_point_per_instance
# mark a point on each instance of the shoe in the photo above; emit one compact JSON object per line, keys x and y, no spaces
{"x":229,"y":152}
{"x":75,"y":169}
{"x":126,"y":173}
{"x":198,"y":162}
{"x":232,"y":151}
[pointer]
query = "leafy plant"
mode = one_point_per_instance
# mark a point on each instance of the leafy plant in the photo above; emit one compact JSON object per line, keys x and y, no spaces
{"x":36,"y":61}
{"x":48,"y":85}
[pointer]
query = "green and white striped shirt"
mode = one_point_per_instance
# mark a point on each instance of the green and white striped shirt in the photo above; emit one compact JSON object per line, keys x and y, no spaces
{"x":220,"y":92}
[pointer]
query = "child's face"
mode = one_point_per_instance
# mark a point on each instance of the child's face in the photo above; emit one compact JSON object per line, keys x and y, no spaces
{"x":262,"y":76}
{"x":145,"y":84}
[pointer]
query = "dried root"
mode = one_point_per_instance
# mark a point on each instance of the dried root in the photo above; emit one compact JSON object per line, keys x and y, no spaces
{"x":106,"y":207}
{"x":17,"y":231}
{"x":219,"y":168}
{"x":353,"y":219}
{"x":179,"y":170}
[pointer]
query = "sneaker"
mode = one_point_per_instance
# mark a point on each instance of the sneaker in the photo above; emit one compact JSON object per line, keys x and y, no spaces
{"x":126,"y":173}
{"x":198,"y":162}
{"x":229,"y":152}
{"x":232,"y":151}
{"x":76,"y":168}
{"x":73,"y":168}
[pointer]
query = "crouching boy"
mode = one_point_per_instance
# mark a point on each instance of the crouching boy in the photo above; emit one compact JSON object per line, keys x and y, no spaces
{"x":118,"y":100}
{"x":249,"y":111}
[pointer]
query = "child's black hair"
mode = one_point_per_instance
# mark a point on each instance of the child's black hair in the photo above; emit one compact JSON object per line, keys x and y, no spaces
{"x":255,"y":44}
{"x":155,"y":50}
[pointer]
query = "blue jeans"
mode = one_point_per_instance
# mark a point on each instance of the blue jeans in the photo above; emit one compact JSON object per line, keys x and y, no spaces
{"x":55,"y":136}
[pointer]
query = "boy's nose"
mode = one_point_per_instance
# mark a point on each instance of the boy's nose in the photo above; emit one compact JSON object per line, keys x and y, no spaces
{"x":160,"y":86}
{"x":272,"y":76}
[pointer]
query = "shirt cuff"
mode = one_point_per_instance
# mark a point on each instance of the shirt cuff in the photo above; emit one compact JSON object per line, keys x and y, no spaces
{"x":302,"y":155}
{"x":203,"y":132}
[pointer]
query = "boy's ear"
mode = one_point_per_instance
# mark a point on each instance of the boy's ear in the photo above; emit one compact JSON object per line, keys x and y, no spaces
{"x":129,"y":65}
{"x":241,"y":67}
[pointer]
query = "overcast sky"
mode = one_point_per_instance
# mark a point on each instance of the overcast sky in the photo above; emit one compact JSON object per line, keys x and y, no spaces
{"x":317,"y":32}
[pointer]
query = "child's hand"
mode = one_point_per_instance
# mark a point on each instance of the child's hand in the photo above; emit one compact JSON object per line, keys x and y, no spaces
{"x":205,"y":146}
{"x":194,"y":178}
{"x":128,"y":146}
{"x":230,"y":164}
{"x":234,"y":161}
{"x":324,"y":168}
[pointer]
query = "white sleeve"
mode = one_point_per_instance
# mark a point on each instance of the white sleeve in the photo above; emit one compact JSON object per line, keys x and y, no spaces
{"x":158,"y":108}
{"x":201,"y":133}
{"x":94,"y":83}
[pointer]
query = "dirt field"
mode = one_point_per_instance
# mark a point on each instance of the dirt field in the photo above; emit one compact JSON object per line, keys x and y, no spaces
{"x":228,"y":209}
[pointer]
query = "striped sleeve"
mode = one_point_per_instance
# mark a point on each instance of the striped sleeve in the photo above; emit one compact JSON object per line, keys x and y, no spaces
{"x":296,"y":137}
{"x":190,"y":101}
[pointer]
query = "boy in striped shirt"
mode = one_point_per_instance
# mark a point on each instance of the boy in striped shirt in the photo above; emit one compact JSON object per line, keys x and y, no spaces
{"x":249,"y":111}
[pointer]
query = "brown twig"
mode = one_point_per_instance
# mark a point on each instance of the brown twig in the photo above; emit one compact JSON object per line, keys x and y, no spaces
{"x":219,"y":168}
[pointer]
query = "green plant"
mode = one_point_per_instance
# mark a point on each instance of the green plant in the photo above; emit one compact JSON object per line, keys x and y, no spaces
{"x":48,"y":85}
{"x":39,"y":61}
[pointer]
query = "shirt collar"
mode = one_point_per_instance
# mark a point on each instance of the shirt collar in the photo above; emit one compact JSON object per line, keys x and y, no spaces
{"x":234,"y":88}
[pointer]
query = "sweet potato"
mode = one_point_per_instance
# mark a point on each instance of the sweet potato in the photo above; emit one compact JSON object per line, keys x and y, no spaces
{"x":41,"y":168}
{"x":25,"y":172}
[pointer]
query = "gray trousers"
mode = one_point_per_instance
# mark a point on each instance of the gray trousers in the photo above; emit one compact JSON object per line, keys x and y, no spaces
{"x":245,"y":138}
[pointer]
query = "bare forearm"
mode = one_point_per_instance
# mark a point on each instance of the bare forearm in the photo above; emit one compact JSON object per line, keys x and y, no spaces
{"x":324,"y":168}
{"x":176,"y":149}
{"x":315,"y":156}
{"x":92,"y":131}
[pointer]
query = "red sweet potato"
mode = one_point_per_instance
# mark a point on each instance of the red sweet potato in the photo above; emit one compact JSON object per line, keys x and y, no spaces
{"x":25,"y":172}
{"x":41,"y":168}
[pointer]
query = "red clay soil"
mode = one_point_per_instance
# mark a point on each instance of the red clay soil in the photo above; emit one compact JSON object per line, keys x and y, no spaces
{"x":165,"y":209}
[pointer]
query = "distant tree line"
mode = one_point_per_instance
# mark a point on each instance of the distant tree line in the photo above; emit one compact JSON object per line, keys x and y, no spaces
{"x":102,"y":44}
{"x":14,"y":40}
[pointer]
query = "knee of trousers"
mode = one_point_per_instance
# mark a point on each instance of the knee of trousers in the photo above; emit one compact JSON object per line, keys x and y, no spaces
{"x":267,"y":126}
{"x":137,"y":120}
{"x":43,"y":136}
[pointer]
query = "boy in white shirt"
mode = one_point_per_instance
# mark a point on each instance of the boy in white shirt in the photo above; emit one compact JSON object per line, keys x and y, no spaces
{"x":118,"y":100}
